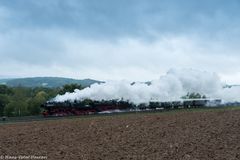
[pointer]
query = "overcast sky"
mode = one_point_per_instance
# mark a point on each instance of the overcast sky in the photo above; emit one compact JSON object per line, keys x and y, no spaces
{"x":119,"y":39}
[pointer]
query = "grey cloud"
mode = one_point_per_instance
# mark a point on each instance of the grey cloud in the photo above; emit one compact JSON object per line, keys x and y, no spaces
{"x":118,"y":39}
{"x":114,"y":19}
{"x":37,"y":47}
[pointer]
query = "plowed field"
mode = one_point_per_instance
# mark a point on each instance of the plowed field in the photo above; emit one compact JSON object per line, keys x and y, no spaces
{"x":172,"y":135}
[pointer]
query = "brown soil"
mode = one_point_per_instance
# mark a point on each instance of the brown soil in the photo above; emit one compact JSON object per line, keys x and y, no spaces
{"x":175,"y":135}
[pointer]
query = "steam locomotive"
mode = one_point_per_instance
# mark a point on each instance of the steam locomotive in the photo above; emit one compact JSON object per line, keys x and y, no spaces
{"x":87,"y":107}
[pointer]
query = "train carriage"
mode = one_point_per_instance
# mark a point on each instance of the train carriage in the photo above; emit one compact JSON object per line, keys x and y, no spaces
{"x":86,"y":107}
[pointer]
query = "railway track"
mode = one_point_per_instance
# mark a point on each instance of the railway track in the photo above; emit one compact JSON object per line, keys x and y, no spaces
{"x":42,"y":118}
{"x":10,"y":120}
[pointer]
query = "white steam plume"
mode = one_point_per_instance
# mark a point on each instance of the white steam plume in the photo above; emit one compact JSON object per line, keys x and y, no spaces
{"x":170,"y":87}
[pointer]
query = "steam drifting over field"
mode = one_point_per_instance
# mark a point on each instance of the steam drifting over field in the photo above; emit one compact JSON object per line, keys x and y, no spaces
{"x":170,"y":87}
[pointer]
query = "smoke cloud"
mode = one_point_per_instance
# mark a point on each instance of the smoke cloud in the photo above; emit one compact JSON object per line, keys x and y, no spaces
{"x":170,"y":87}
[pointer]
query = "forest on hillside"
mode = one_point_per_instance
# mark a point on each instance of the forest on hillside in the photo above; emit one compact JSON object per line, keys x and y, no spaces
{"x":26,"y":101}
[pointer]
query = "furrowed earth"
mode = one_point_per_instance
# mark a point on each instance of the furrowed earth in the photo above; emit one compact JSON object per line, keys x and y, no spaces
{"x":194,"y":135}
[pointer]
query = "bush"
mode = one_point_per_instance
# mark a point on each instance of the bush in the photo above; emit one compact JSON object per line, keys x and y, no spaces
{"x":15,"y":108}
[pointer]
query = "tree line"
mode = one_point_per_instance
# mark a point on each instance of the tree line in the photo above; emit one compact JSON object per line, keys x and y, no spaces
{"x":25,"y":101}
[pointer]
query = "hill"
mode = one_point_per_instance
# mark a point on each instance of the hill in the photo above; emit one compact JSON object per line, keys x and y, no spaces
{"x":50,"y":82}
